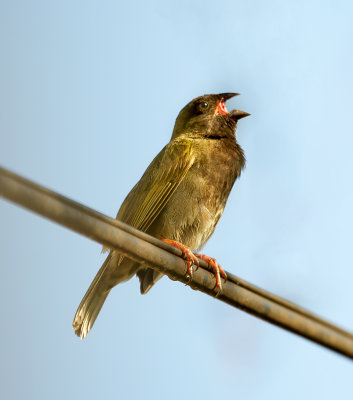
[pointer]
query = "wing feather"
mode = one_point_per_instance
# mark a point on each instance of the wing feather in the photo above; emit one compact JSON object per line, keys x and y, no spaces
{"x":150,"y":195}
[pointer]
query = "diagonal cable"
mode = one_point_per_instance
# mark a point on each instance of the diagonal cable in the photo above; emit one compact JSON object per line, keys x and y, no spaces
{"x":156,"y":254}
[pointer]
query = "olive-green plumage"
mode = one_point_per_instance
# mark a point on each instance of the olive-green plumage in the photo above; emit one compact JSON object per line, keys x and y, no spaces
{"x":181,"y":196}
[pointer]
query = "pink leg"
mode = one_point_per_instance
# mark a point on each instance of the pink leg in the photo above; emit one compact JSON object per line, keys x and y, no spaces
{"x":217,"y":270}
{"x":189,"y":255}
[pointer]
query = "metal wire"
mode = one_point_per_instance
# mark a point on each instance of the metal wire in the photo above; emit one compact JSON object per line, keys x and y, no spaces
{"x":151,"y":252}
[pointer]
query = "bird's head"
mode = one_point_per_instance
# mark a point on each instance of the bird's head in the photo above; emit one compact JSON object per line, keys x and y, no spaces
{"x":207,"y":116}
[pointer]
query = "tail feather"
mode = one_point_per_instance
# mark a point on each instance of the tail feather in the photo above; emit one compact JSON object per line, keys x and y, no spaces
{"x":91,"y":303}
{"x":115,"y":269}
{"x":148,"y":277}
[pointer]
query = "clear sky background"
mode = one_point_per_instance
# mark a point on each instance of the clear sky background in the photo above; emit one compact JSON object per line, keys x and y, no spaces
{"x":89,"y":92}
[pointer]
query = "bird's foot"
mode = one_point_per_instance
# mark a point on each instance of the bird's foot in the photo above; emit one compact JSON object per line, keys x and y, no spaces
{"x":217,"y":270}
{"x":191,"y":259}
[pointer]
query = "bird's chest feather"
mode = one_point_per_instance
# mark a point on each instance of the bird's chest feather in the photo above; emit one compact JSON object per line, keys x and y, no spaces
{"x":198,"y":203}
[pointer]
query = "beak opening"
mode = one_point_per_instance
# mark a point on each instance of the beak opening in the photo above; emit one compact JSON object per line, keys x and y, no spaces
{"x":235,"y":115}
{"x":221,"y":104}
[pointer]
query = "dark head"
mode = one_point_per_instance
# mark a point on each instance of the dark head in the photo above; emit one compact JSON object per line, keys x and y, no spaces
{"x":207,"y":116}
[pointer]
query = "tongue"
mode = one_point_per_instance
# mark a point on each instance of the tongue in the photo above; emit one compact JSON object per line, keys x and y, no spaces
{"x":221,"y":106}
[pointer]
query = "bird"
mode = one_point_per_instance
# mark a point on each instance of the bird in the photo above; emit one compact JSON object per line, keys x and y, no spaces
{"x":179,"y":199}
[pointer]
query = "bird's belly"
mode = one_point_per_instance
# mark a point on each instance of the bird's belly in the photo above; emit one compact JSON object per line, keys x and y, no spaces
{"x":191,"y":215}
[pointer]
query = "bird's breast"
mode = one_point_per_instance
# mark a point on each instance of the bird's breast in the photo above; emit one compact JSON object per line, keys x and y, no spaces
{"x":196,"y":206}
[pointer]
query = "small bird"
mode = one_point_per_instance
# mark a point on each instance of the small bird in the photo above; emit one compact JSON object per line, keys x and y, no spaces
{"x":179,"y":199}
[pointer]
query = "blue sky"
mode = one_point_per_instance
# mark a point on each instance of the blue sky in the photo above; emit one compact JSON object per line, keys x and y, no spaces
{"x":89,"y":92}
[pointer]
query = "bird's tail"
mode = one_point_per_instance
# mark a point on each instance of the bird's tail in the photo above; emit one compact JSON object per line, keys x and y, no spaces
{"x":92,"y":302}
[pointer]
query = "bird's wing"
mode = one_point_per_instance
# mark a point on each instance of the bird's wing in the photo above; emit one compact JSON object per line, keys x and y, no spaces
{"x":149,"y":196}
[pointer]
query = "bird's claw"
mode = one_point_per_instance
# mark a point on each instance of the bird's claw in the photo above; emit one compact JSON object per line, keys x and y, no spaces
{"x":188,"y":255}
{"x":192,"y":259}
{"x":217,"y":270}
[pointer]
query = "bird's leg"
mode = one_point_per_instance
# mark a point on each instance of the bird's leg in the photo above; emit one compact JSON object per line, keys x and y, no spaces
{"x":188,"y":254}
{"x":217,"y":270}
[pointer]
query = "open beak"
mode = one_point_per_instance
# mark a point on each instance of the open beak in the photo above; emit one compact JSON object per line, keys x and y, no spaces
{"x":235,"y":114}
{"x":221,"y":104}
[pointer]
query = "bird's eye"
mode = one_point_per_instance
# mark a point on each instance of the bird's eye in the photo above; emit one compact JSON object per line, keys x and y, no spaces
{"x":203,"y":104}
